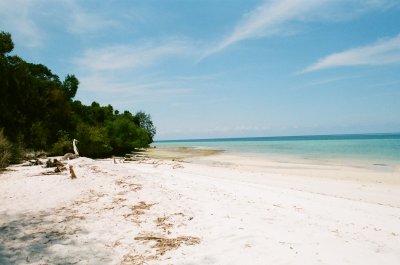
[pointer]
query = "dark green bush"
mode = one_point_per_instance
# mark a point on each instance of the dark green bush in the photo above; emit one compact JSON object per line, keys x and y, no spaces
{"x":63,"y":145}
{"x":126,"y":136}
{"x":5,"y":151}
{"x":93,"y":141}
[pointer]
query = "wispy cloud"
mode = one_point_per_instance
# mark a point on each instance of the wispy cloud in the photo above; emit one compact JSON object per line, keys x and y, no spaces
{"x":123,"y":94}
{"x":122,"y":70}
{"x":118,"y":57}
{"x":198,"y":77}
{"x":275,"y":17}
{"x":80,"y":21}
{"x":386,"y":51}
{"x":16,"y":17}
{"x":327,"y":81}
{"x":29,"y":21}
{"x":266,"y":20}
{"x":109,"y":85}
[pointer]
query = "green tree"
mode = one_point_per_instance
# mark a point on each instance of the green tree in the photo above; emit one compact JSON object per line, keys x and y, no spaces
{"x":38,"y":111}
{"x":70,"y":85}
{"x":6,"y":43}
{"x":144,"y":121}
{"x":93,"y":141}
{"x":126,"y":136}
{"x":5,"y":150}
{"x":63,"y":144}
{"x":39,"y":135}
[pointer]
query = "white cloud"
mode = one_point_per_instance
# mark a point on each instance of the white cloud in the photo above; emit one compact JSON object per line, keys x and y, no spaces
{"x":276,"y":17}
{"x":80,"y":21}
{"x":385,"y":51}
{"x":327,"y":81}
{"x":136,"y":71}
{"x":109,"y":85}
{"x":119,"y":57}
{"x":266,"y":19}
{"x":28,"y":21}
{"x":16,"y":17}
{"x":123,"y":94}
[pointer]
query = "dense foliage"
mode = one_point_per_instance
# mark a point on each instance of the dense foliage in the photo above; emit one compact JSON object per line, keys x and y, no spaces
{"x":5,"y":150}
{"x":38,"y":111}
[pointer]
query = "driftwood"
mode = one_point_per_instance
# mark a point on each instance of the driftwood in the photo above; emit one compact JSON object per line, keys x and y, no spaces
{"x":35,"y":162}
{"x":34,"y":155}
{"x":53,"y":163}
{"x":135,"y":157}
{"x":59,"y":166}
{"x":69,"y":156}
{"x":59,"y":169}
{"x":72,"y":172}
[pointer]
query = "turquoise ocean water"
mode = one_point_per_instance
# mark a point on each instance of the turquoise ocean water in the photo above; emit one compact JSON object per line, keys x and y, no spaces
{"x":372,"y":148}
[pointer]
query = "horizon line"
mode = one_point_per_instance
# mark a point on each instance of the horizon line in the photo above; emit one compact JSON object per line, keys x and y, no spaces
{"x":277,"y":136}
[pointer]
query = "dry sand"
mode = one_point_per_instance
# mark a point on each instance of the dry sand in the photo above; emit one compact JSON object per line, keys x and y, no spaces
{"x":219,"y":209}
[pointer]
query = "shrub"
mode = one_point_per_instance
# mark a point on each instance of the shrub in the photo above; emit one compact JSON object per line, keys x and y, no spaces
{"x":125,"y":136}
{"x":93,"y":141}
{"x":38,"y":139}
{"x":17,"y":149}
{"x":5,"y":151}
{"x":63,"y":144}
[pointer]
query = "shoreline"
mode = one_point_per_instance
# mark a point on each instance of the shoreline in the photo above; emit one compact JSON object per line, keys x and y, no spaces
{"x":200,"y":154}
{"x":215,"y":209}
{"x":350,"y":149}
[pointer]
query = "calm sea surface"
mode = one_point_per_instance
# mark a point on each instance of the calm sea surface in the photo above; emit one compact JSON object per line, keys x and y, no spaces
{"x":375,"y":148}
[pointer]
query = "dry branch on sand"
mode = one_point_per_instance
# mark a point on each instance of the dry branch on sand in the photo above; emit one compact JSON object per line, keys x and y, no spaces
{"x":137,"y":259}
{"x":164,"y":225}
{"x":164,"y":244}
{"x":139,"y":208}
{"x":72,"y":172}
{"x":69,"y":156}
{"x":131,"y":186}
{"x":135,"y":158}
{"x":137,"y":211}
{"x":59,"y":166}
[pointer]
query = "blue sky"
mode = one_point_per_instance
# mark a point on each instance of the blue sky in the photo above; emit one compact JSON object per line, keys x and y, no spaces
{"x":224,"y":68}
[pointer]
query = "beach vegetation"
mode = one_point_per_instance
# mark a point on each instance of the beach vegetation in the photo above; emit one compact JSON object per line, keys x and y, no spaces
{"x":63,"y":144}
{"x":94,"y":141}
{"x":5,"y":150}
{"x":10,"y":153}
{"x":6,"y":43}
{"x":125,"y":135}
{"x":144,"y":121}
{"x":38,"y":111}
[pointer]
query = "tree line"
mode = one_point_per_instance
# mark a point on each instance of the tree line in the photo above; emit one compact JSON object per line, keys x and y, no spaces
{"x":38,"y":112}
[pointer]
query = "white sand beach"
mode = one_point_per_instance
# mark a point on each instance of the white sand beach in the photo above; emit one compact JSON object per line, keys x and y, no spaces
{"x":218,"y":209}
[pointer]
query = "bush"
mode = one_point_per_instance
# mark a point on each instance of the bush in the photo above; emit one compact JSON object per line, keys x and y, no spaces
{"x":93,"y":141}
{"x":5,"y":151}
{"x":38,"y":139}
{"x":126,"y":136}
{"x":63,"y":144}
{"x":17,"y":149}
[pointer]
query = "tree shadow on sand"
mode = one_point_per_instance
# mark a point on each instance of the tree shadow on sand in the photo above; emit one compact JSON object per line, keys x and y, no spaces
{"x":47,"y":238}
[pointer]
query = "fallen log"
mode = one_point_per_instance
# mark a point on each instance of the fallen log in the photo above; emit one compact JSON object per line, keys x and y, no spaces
{"x":72,"y":172}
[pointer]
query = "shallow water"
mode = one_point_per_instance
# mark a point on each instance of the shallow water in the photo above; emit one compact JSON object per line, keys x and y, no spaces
{"x":376,"y":149}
